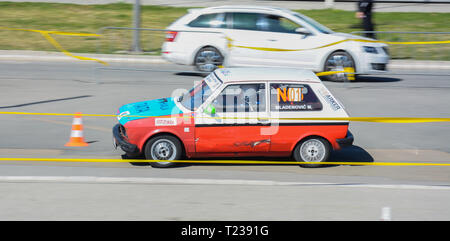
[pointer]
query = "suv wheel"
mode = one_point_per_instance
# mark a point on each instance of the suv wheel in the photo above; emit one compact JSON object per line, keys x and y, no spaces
{"x":208,"y":59}
{"x":339,"y":61}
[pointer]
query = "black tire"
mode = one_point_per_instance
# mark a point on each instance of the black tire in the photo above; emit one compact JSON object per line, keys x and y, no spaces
{"x":128,"y":155}
{"x":208,"y":59}
{"x":164,"y":147}
{"x":315,"y":149}
{"x":337,"y":61}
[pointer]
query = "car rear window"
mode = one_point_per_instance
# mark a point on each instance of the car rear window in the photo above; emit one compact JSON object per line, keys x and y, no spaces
{"x":293,"y":97}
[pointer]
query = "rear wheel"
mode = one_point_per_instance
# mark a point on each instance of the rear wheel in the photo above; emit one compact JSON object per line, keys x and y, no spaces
{"x":162,"y":148}
{"x":340,"y":61}
{"x":208,"y":59}
{"x":312,"y":149}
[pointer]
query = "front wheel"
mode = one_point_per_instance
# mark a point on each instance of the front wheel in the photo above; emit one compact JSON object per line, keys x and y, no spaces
{"x":208,"y":59}
{"x":313,"y":149}
{"x":163,"y":148}
{"x":340,"y":61}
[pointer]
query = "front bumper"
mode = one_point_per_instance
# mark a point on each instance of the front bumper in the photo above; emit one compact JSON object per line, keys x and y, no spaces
{"x":120,"y":140}
{"x":373,"y":63}
{"x":347,"y":141}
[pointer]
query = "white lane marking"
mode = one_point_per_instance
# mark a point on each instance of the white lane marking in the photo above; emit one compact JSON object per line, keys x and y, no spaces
{"x":189,"y":181}
{"x":386,"y":214}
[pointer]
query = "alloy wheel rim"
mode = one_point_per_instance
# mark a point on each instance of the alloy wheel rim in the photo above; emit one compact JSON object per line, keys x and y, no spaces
{"x":312,"y":151}
{"x":163,"y":150}
{"x":208,"y":60}
{"x":339,"y":62}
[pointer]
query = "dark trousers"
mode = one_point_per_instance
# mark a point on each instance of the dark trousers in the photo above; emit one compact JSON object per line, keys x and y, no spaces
{"x":368,"y":26}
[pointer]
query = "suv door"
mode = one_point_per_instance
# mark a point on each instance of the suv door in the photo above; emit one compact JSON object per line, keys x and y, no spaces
{"x":242,"y":33}
{"x":235,"y":128}
{"x":287,"y":47}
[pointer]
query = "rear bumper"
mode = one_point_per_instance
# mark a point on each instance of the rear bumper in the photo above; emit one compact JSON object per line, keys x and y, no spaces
{"x":172,"y":53}
{"x":347,"y":141}
{"x":120,"y":140}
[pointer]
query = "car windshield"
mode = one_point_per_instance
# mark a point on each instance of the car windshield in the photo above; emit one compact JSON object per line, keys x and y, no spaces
{"x":319,"y":27}
{"x":196,"y":96}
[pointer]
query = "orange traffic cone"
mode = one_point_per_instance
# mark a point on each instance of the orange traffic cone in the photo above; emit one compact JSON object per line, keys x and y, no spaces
{"x":76,"y":136}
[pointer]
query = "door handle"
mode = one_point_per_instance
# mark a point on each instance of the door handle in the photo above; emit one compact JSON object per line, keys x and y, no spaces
{"x":260,"y":142}
{"x":264,"y":120}
{"x":272,"y":40}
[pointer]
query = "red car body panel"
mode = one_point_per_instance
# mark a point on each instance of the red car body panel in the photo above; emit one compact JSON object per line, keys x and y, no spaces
{"x":233,"y":140}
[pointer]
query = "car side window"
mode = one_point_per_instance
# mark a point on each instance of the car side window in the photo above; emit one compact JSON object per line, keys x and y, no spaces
{"x":214,"y":20}
{"x":245,"y":21}
{"x":293,"y":97}
{"x":241,"y":98}
{"x":274,"y":23}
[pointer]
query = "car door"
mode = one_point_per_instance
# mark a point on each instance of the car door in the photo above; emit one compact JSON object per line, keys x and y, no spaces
{"x":287,"y":102}
{"x":242,"y":35}
{"x":235,"y":128}
{"x":287,"y":43}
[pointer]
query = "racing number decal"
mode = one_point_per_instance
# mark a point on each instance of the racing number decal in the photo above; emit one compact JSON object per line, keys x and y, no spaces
{"x":293,"y":97}
{"x":292,"y":94}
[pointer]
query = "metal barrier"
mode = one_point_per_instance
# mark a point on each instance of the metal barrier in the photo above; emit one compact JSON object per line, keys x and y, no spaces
{"x":416,"y":57}
{"x":414,"y":51}
{"x":437,"y":52}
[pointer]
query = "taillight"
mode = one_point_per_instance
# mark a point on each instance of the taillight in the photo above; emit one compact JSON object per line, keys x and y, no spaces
{"x":171,"y":35}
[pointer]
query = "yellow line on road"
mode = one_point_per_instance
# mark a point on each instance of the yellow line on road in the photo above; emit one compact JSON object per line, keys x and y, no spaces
{"x":359,"y":119}
{"x":225,"y":162}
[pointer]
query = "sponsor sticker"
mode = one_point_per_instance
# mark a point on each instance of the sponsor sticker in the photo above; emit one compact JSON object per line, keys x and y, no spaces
{"x":329,"y":99}
{"x":225,"y":72}
{"x":165,"y":122}
{"x":213,"y":81}
{"x":125,"y":113}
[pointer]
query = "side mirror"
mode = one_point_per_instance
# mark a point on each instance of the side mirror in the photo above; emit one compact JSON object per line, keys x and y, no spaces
{"x":210,"y":110}
{"x":302,"y":31}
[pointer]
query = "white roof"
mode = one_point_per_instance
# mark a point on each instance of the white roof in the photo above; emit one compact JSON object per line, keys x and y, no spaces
{"x":244,"y":7}
{"x":265,"y":74}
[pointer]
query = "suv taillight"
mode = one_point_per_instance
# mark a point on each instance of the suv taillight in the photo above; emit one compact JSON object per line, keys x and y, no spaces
{"x":171,"y":35}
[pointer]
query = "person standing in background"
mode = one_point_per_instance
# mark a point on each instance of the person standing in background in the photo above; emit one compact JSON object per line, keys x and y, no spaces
{"x":364,"y":12}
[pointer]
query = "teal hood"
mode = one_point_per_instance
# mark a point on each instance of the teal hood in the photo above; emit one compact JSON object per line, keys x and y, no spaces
{"x":145,"y":109}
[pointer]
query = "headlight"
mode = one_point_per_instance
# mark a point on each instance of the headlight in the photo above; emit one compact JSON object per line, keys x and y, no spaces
{"x":369,"y":49}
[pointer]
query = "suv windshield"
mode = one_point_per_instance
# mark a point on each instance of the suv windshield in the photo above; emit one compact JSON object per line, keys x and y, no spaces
{"x":196,"y":96}
{"x":319,"y":27}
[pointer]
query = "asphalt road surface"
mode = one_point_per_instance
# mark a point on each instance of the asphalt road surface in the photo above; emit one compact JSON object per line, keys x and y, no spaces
{"x":124,"y":191}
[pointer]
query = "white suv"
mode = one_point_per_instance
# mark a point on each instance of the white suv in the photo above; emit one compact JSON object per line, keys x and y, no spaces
{"x":266,"y":36}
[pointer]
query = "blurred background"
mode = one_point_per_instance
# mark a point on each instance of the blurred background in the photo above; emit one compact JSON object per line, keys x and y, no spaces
{"x":412,"y":20}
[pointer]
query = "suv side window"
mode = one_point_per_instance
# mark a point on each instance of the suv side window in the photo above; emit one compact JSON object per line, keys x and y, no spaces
{"x":214,"y":20}
{"x":293,"y":97}
{"x":241,"y":98}
{"x":274,"y":23}
{"x":245,"y":21}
